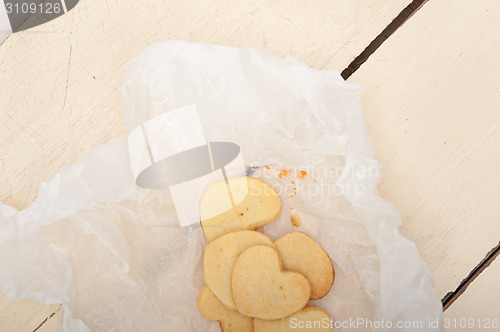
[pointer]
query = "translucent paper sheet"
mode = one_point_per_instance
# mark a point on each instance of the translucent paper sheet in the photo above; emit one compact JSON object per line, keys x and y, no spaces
{"x":115,"y":255}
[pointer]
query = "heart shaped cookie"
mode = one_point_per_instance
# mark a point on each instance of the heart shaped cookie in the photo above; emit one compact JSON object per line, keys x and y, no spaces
{"x":261,"y":289}
{"x":244,"y":203}
{"x":300,"y":253}
{"x":212,"y":309}
{"x":311,"y":319}
{"x":220,"y":257}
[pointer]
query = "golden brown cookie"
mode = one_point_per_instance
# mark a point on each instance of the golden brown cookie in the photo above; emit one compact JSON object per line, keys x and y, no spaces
{"x":300,"y":253}
{"x":220,"y":257}
{"x":212,"y":309}
{"x":310,"y":319}
{"x":255,"y":204}
{"x":261,"y":289}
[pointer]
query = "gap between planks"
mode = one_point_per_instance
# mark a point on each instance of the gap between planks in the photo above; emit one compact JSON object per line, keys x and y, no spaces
{"x":403,"y":16}
{"x":47,"y":318}
{"x":449,"y":298}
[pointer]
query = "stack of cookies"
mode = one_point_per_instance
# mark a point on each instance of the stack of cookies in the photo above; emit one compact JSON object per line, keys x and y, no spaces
{"x":253,"y":284}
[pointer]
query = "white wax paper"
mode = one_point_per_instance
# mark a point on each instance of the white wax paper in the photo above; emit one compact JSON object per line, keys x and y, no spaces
{"x":115,"y":255}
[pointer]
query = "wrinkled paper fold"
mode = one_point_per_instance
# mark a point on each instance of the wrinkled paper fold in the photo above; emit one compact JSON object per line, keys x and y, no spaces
{"x":114,"y":253}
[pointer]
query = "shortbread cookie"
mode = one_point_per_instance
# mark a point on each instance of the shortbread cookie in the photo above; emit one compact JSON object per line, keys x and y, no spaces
{"x":255,"y":204}
{"x":310,"y":319}
{"x":300,"y":253}
{"x":261,"y":289}
{"x":212,"y":309}
{"x":220,"y":257}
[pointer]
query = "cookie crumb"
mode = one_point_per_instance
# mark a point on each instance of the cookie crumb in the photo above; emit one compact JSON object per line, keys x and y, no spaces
{"x":295,"y":220}
{"x":284,"y":172}
{"x":302,"y":174}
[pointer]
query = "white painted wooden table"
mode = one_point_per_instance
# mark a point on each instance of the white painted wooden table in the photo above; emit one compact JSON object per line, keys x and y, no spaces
{"x":432,"y":105}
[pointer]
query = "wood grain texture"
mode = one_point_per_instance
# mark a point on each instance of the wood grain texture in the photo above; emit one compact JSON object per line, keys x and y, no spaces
{"x":479,"y":303}
{"x":28,"y":315}
{"x":60,"y":82}
{"x":432,"y":107}
{"x":60,"y":87}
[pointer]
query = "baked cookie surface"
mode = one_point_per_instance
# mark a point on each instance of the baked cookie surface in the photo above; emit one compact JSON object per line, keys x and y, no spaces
{"x":261,"y":289}
{"x":245,"y":203}
{"x":300,"y":253}
{"x":311,"y":319}
{"x":212,"y":309}
{"x":220,"y":257}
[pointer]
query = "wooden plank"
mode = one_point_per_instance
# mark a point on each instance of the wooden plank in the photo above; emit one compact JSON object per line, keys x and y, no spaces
{"x":431,"y":104}
{"x":477,"y":308}
{"x":60,"y":82}
{"x":34,"y":317}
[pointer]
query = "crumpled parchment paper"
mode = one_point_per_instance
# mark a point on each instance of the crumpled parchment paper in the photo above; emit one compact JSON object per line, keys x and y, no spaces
{"x":114,"y":253}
